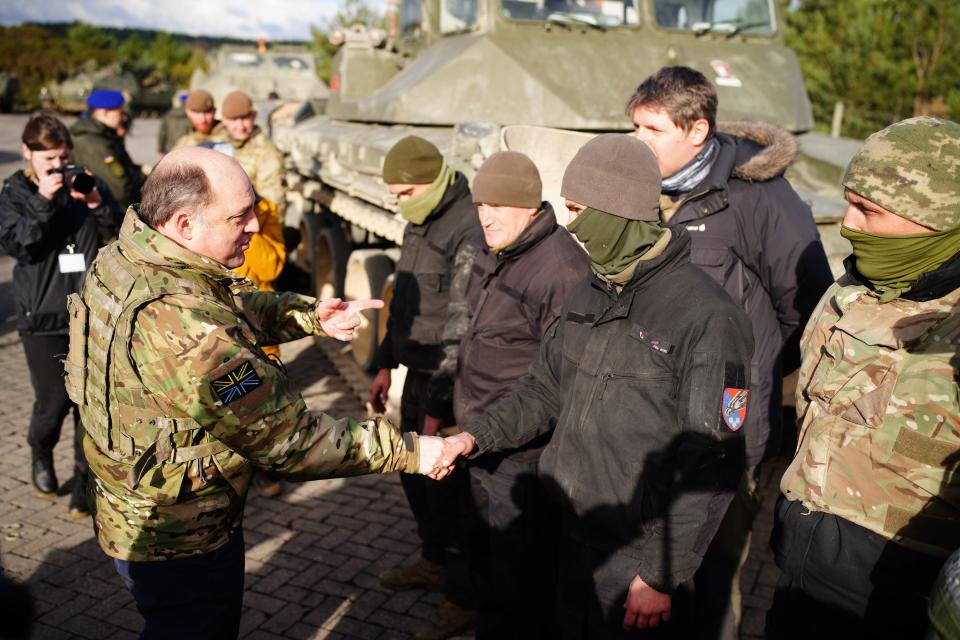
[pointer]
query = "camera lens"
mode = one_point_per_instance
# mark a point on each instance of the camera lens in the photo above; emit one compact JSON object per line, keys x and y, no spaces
{"x":83,"y":183}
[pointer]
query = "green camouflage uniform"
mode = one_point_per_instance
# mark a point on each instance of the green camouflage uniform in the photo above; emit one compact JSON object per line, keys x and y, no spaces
{"x":877,"y":395}
{"x":262,"y":161}
{"x":175,"y":125}
{"x":98,"y":148}
{"x":179,"y":404}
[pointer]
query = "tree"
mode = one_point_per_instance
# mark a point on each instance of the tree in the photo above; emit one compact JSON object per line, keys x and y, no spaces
{"x":885,"y":60}
{"x":351,"y":12}
{"x":87,"y":42}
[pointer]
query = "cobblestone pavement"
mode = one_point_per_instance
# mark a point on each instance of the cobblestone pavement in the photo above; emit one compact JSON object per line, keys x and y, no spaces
{"x":312,"y":555}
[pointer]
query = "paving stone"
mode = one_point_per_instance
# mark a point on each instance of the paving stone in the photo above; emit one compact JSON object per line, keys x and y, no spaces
{"x":285,"y":618}
{"x":87,"y":627}
{"x":314,"y":552}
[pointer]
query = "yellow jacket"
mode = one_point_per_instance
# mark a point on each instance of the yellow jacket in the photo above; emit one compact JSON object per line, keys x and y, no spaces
{"x":264,"y":258}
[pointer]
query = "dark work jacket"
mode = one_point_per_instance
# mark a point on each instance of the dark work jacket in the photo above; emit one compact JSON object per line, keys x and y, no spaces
{"x":98,"y":148}
{"x":36,"y":231}
{"x":428,"y":312}
{"x":641,"y":458}
{"x":753,"y":234}
{"x":514,"y":297}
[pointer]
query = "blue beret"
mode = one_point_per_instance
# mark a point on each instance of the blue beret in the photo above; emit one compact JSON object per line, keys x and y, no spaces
{"x":105,"y":99}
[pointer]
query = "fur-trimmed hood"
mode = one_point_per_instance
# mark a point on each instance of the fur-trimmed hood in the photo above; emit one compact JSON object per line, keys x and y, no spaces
{"x":777,"y":149}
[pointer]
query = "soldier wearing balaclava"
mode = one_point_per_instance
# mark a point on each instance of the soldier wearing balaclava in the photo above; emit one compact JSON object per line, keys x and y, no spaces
{"x":871,"y":503}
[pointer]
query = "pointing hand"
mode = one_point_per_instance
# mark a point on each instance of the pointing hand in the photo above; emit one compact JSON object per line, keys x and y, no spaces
{"x":339,"y":319}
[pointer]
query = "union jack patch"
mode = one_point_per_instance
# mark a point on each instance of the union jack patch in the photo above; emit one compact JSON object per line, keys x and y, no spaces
{"x":236,"y":383}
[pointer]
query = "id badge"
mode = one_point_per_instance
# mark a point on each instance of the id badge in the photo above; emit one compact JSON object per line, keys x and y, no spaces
{"x":72,"y":263}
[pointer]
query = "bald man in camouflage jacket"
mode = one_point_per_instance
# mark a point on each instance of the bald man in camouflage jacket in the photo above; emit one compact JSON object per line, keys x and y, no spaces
{"x":180,"y":404}
{"x":871,"y":503}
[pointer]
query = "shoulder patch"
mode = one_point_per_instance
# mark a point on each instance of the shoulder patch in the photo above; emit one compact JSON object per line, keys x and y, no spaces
{"x":236,"y":383}
{"x":734,"y":408}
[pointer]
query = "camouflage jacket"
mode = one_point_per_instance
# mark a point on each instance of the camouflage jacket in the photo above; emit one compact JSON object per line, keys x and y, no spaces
{"x":878,"y":405}
{"x":179,"y":404}
{"x":193,"y":137}
{"x":262,"y":161}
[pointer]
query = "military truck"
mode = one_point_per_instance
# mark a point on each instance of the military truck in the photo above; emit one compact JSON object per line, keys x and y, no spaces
{"x":270,"y":77}
{"x":538,"y":76}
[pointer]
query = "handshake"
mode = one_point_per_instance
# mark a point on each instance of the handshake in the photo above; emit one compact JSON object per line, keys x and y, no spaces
{"x":438,"y":455}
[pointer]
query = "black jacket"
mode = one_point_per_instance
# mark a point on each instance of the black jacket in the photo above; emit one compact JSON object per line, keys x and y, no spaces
{"x":642,"y":457}
{"x":36,"y":231}
{"x":513,"y":298}
{"x":428,"y":312}
{"x":753,"y":234}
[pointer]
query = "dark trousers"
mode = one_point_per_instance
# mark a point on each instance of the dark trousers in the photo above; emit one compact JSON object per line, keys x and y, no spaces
{"x":51,"y":403}
{"x":514,"y":553}
{"x":718,"y":578}
{"x":442,"y":509}
{"x":841,"y":580}
{"x":194,"y":598}
{"x":593,"y":588}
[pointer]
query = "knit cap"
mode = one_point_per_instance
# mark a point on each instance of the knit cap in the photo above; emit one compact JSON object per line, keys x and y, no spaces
{"x":615,"y":173}
{"x":412,"y":160}
{"x":508,"y":178}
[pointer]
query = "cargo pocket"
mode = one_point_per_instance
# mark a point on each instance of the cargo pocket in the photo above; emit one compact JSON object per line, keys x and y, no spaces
{"x":75,"y":365}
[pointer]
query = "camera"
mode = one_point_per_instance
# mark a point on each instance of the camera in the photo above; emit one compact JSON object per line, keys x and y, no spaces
{"x":75,"y":178}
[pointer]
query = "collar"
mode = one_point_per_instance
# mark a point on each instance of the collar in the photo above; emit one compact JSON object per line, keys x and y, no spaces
{"x":220,"y":132}
{"x":676,"y":252}
{"x":452,"y":195}
{"x":542,"y":226}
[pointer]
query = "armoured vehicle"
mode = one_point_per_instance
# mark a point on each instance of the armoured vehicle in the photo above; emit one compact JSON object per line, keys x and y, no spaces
{"x":147,"y":91}
{"x":281,"y":75}
{"x":538,"y":76}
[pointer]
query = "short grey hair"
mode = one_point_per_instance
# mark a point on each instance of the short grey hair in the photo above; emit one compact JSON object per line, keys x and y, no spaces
{"x":174,"y":186}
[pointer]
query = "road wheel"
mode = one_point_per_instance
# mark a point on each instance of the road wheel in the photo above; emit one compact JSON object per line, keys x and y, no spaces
{"x":367,"y":272}
{"x":329,"y":260}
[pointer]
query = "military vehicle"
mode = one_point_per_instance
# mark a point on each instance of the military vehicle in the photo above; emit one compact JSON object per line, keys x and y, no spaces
{"x":538,"y":76}
{"x":270,"y":78}
{"x":147,"y":91}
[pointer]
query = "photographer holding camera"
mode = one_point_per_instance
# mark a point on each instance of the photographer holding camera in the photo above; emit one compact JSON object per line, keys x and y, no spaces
{"x":54,"y":217}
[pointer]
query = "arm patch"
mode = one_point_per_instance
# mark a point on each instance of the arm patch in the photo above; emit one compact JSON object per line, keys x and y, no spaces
{"x":236,"y":383}
{"x":733,"y":408}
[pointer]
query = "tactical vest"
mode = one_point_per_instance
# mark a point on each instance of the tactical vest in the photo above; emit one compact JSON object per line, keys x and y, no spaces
{"x":134,"y":430}
{"x":880,"y":439}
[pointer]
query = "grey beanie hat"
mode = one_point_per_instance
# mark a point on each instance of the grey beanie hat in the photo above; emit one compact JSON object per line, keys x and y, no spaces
{"x":617,"y":174}
{"x":508,"y":178}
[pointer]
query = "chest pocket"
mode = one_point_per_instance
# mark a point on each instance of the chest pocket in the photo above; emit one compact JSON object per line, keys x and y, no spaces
{"x":715,"y":262}
{"x":576,"y":334}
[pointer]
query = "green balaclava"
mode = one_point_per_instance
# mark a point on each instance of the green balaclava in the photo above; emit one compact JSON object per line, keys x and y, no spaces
{"x":613,"y":243}
{"x":893,"y":264}
{"x":912,"y":169}
{"x":419,"y":207}
{"x":617,"y":178}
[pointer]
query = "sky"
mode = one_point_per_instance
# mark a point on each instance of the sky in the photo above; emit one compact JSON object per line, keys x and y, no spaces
{"x":273,"y":19}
